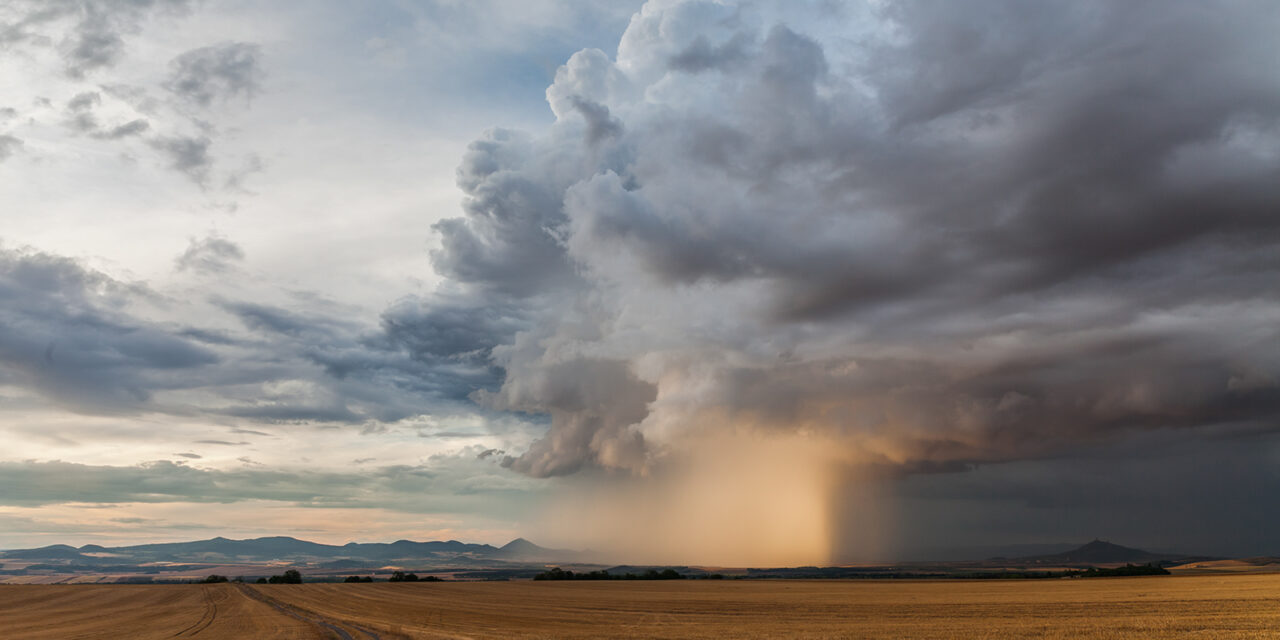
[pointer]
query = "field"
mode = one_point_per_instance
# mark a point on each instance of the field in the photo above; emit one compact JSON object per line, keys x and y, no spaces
{"x":1201,"y":606}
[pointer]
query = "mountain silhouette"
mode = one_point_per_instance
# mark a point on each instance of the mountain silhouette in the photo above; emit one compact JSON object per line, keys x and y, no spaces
{"x":1101,"y":552}
{"x":286,"y":548}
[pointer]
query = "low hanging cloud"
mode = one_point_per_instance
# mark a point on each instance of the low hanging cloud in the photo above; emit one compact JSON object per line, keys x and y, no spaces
{"x":934,"y":235}
{"x":443,"y":482}
{"x":85,"y":342}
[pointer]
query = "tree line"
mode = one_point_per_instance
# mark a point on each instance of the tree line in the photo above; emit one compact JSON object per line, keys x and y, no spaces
{"x":653,"y":574}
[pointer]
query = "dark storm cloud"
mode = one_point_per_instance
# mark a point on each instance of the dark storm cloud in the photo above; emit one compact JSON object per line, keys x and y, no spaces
{"x":1158,"y":491}
{"x":451,"y":328}
{"x":971,"y":233}
{"x":212,"y":254}
{"x":216,"y":73}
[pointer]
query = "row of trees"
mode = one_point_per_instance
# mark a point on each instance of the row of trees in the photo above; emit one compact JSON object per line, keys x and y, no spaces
{"x":400,"y":576}
{"x":559,"y":574}
{"x":1150,"y":569}
{"x":293,"y":577}
{"x":288,"y":577}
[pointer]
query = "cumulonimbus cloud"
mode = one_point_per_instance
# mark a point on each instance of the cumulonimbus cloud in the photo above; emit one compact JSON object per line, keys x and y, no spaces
{"x":935,"y":234}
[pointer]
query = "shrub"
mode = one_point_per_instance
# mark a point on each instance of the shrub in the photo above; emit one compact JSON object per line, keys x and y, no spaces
{"x":289,"y":577}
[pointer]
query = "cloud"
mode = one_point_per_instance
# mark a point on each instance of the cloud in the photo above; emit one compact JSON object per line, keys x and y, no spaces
{"x":81,"y":119}
{"x":448,"y":481}
{"x":126,"y":130}
{"x":216,"y":73}
{"x":964,"y":235}
{"x":84,"y":101}
{"x":71,"y":337}
{"x":90,"y":35}
{"x":210,"y":255}
{"x":188,"y":155}
{"x":85,"y":342}
{"x":8,"y":146}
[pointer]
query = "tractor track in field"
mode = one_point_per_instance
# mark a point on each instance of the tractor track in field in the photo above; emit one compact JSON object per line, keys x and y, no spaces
{"x":340,"y":629}
{"x":206,"y":618}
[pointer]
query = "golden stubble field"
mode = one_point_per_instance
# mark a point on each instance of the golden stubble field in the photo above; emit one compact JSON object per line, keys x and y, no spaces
{"x":1203,"y":606}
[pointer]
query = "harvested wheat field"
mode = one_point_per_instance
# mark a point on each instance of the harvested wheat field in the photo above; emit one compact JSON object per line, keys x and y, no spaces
{"x":1230,"y":606}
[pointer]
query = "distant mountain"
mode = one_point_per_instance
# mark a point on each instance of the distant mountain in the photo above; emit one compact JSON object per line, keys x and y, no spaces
{"x":51,"y":552}
{"x":1101,"y":552}
{"x":521,"y":549}
{"x":282,"y":548}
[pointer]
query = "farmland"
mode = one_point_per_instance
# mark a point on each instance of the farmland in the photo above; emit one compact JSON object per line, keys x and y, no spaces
{"x":1226,"y":606}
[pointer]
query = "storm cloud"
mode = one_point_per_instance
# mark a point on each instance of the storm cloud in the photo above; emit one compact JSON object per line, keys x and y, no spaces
{"x":968,"y":234}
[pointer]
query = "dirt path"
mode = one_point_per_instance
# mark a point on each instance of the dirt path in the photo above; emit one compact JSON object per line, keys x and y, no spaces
{"x":341,"y":629}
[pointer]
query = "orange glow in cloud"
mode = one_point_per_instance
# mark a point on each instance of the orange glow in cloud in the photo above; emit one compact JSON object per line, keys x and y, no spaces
{"x":744,"y":499}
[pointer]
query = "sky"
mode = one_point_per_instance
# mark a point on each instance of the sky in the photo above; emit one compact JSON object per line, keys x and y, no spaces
{"x":677,"y":281}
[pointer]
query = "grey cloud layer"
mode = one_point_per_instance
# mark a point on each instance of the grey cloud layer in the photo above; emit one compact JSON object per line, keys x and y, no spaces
{"x":70,"y":337}
{"x":973,"y":233}
{"x":443,"y":483}
{"x":95,"y":345}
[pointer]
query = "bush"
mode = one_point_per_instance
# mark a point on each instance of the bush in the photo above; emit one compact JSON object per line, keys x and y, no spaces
{"x":358,"y":579}
{"x":290,"y":577}
{"x":400,"y":576}
{"x":214,"y":579}
{"x":1126,"y":570}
